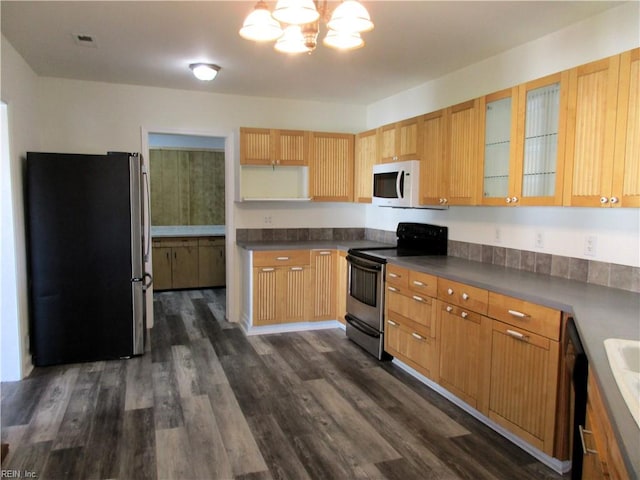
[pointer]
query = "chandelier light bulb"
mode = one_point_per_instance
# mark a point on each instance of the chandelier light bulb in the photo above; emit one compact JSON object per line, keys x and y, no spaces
{"x":296,"y":12}
{"x":343,"y":40}
{"x":350,"y":16}
{"x":291,"y":41}
{"x":260,"y":26}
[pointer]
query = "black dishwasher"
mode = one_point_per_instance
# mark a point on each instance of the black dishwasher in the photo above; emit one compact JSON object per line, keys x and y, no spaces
{"x":577,"y":368}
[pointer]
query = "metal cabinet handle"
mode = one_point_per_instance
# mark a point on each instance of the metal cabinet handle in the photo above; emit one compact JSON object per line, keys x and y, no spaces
{"x":325,"y":253}
{"x":449,"y":308}
{"x":518,"y":314}
{"x":394,"y":275}
{"x":517,"y":335}
{"x":418,"y":284}
{"x":465,"y":296}
{"x":282,"y":258}
{"x":392,"y":323}
{"x":514,"y":199}
{"x":267,"y":269}
{"x":418,"y":299}
{"x":392,"y":289}
{"x":613,"y":200}
{"x":464,"y":314}
{"x":296,"y":269}
{"x":415,"y":335}
{"x":604,"y":200}
{"x":585,"y":450}
{"x":450,"y":291}
{"x":508,"y":199}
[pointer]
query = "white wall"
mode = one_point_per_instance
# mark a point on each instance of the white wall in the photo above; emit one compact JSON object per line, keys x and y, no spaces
{"x":564,"y":230}
{"x":18,"y":91}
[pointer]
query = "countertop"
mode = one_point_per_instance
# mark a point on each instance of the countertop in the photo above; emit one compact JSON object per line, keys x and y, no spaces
{"x":188,"y":231}
{"x":599,"y":313}
{"x":311,"y":245}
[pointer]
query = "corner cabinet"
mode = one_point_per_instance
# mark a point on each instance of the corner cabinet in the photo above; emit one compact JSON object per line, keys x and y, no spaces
{"x":263,"y":146}
{"x":331,"y":167}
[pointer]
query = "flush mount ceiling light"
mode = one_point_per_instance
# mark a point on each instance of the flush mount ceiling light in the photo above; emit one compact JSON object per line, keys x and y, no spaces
{"x":204,"y":71}
{"x":295,"y":25}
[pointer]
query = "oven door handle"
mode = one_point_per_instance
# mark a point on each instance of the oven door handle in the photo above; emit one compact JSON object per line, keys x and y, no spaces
{"x":363,"y":327}
{"x":374,"y":268}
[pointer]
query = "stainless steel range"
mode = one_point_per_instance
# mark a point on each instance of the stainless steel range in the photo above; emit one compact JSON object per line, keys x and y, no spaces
{"x":365,"y":297}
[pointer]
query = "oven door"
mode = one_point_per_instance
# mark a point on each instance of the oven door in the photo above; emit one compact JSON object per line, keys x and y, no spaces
{"x":365,"y":298}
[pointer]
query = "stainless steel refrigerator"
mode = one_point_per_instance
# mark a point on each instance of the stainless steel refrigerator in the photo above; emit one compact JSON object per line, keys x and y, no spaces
{"x":86,"y":249}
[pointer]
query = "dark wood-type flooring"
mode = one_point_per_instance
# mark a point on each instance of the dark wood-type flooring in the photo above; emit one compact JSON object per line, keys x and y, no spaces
{"x":209,"y":403}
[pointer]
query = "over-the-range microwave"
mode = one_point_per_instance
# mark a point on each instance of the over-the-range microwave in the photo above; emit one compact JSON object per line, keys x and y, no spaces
{"x":397,"y":185}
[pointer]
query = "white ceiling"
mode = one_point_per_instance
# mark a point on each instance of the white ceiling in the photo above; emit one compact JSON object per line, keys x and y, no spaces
{"x":152,"y":43}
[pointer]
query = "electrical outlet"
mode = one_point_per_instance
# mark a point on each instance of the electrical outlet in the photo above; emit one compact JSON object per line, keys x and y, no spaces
{"x":539,"y":240}
{"x":590,"y":244}
{"x":267,"y":220}
{"x":498,"y":235}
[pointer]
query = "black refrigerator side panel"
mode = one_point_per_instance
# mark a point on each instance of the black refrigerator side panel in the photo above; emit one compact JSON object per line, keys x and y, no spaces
{"x":79,"y":244}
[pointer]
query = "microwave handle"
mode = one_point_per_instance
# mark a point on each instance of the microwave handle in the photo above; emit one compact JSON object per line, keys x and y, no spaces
{"x":400,"y":184}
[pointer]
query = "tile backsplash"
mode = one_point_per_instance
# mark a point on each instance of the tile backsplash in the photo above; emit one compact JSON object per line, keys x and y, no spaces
{"x":590,"y":271}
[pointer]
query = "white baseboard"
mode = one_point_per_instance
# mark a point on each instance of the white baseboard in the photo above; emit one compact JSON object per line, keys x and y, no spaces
{"x":287,"y":327}
{"x":559,"y":466}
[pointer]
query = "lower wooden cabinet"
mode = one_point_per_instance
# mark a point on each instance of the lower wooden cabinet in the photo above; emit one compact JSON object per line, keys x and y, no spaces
{"x":523,"y":383}
{"x":211,"y":262}
{"x":324,"y":266}
{"x":462,"y":353}
{"x":341,"y":286}
{"x":602,"y":458}
{"x":281,"y":287}
{"x":413,"y":345}
{"x":188,"y":262}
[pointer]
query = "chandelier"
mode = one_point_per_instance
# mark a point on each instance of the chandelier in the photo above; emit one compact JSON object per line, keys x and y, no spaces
{"x":294,"y":25}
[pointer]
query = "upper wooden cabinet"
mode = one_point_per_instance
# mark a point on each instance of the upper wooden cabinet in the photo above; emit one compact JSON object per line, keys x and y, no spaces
{"x":263,"y":146}
{"x":497,"y":133}
{"x":626,"y":167}
{"x":591,"y":134}
{"x":399,"y":141}
{"x":463,"y":147}
{"x":331,"y":167}
{"x":522,"y":134}
{"x":434,"y":168}
{"x":366,"y":156}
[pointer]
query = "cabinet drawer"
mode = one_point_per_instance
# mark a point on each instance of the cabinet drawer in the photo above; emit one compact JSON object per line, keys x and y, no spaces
{"x":397,"y":276}
{"x":175,"y":242}
{"x":211,"y":241}
{"x":471,"y":298}
{"x":525,"y":315}
{"x":276,"y":258}
{"x":419,"y":309}
{"x":423,"y":283}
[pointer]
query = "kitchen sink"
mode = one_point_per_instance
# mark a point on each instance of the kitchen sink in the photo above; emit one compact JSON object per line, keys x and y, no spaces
{"x":624,"y":358}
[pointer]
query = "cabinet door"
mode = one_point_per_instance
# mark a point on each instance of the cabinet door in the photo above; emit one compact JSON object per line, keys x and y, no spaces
{"x":293,"y":294}
{"x":324,"y":283}
{"x":464,"y":167}
{"x":211,"y":268}
{"x":498,"y":134}
{"x":184,"y":266}
{"x":592,"y":468}
{"x":408,"y":139}
{"x":341,"y":286}
{"x":331,"y":167}
{"x":461,"y":353}
{"x":421,"y":349}
{"x":626,"y":175}
{"x":256,"y":146}
{"x":542,"y":112}
{"x":265,"y":296}
{"x":387,"y":143}
{"x":366,"y":157}
{"x":291,"y":147}
{"x":591,"y":122}
{"x":161,"y":268}
{"x":434,"y":167}
{"x":524,"y":384}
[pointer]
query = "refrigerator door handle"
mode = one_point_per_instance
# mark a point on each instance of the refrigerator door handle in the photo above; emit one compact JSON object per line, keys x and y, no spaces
{"x":145,"y":174}
{"x":147,"y":276}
